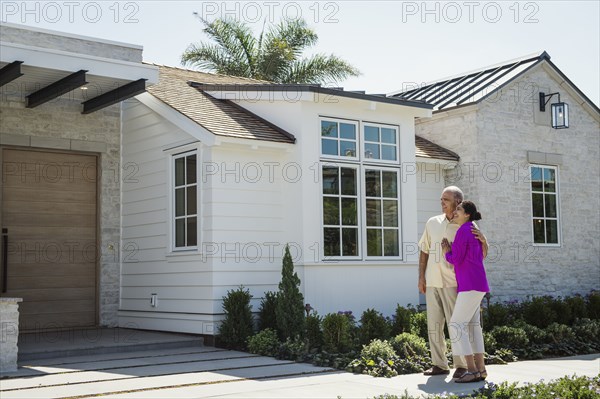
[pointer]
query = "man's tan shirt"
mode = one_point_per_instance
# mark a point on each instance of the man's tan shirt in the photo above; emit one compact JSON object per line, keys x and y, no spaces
{"x":439,"y":273}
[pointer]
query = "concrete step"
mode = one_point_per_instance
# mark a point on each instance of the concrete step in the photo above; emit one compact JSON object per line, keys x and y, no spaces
{"x":85,"y":342}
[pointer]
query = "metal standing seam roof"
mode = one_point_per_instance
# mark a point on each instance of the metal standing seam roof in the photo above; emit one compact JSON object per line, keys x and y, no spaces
{"x":471,"y":87}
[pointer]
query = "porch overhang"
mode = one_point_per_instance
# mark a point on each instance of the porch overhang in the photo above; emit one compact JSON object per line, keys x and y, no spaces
{"x":40,"y":75}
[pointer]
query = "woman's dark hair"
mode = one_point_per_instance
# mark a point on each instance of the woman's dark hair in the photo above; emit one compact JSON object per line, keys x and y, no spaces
{"x":471,"y":210}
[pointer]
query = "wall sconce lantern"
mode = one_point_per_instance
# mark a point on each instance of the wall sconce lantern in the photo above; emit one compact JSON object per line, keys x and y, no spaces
{"x":559,"y":110}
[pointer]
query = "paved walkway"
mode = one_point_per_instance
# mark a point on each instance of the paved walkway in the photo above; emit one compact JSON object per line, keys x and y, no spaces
{"x":206,"y":372}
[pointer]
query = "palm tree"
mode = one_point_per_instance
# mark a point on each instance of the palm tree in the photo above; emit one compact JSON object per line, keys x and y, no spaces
{"x":273,"y":56}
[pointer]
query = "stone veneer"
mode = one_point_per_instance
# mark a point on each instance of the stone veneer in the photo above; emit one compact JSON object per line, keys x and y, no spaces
{"x":59,"y":124}
{"x":496,"y":140}
{"x":9,"y":334}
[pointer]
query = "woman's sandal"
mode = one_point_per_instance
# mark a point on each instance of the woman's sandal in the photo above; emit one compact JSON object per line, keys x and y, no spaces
{"x":483,"y":374}
{"x":469,"y":377}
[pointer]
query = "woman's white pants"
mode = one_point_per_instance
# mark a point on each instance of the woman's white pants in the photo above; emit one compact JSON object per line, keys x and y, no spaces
{"x":465,"y":331}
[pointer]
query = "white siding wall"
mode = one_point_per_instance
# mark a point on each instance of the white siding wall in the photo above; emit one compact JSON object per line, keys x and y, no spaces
{"x":183,"y":283}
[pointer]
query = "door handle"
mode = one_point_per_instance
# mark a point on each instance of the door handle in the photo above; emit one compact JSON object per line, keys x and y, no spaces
{"x":4,"y":260}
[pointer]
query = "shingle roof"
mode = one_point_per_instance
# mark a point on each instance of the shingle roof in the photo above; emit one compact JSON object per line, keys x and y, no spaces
{"x":427,"y":149}
{"x":221,"y":117}
{"x":473,"y":86}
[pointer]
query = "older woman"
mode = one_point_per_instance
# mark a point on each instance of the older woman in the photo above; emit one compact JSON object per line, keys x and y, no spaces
{"x":466,"y":255}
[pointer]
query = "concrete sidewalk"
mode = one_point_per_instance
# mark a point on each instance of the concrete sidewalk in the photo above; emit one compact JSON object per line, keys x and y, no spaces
{"x":206,"y":372}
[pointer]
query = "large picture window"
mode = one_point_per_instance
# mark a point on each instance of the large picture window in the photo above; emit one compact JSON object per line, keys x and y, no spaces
{"x":544,"y":205}
{"x":360,"y":199}
{"x":185,"y":194}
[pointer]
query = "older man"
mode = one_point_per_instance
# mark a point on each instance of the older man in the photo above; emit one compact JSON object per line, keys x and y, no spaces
{"x":438,"y":281}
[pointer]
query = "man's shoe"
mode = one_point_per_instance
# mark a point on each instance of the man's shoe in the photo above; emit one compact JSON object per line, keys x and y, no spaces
{"x":435,"y":370}
{"x":459,"y":372}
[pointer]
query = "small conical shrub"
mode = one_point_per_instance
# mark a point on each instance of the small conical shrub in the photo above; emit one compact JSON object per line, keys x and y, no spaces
{"x":290,"y":301}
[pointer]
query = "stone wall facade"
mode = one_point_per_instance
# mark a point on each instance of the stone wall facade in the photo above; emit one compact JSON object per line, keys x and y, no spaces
{"x":9,"y":334}
{"x":501,"y":137}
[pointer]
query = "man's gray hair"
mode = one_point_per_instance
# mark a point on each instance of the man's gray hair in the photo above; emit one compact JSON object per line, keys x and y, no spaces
{"x":457,"y":192}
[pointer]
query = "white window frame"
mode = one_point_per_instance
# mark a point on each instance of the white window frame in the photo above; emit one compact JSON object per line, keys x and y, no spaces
{"x":357,"y":140}
{"x":557,"y":218}
{"x":173,"y":154}
{"x":361,"y":164}
{"x":364,"y":212}
{"x":364,"y":143}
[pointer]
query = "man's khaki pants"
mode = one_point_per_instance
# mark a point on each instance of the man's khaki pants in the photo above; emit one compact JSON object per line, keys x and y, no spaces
{"x":440,"y":305}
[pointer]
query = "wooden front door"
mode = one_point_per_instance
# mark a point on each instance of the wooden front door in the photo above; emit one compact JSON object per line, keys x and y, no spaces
{"x":48,"y":217}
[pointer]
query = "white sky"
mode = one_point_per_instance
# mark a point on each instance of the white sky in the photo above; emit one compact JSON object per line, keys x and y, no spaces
{"x":393,"y":43}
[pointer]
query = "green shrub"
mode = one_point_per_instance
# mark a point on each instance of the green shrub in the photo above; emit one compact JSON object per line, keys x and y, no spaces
{"x":539,"y":311}
{"x":418,"y":325}
{"x":593,"y":305}
{"x":378,"y":349}
{"x":563,"y":311}
{"x":314,"y":334}
{"x":377,"y":359}
{"x":498,"y":314}
{"x":290,"y":301}
{"x":402,"y":317}
{"x":373,"y":325}
{"x":559,"y":333}
{"x":535,"y":335}
{"x":578,"y":307}
{"x":408,"y":345}
{"x":267,"y":312}
{"x":293,"y":349}
{"x":510,"y":337}
{"x":587,"y":330}
{"x":264,"y":343}
{"x":238,"y":323}
{"x":489,"y":342}
{"x":337,"y":336}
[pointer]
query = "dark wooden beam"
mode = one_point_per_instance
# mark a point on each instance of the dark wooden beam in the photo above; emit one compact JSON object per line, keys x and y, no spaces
{"x":10,"y":72}
{"x":114,"y":96}
{"x":57,"y":89}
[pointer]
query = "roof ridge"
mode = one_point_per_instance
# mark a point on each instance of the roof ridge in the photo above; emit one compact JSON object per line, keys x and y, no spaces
{"x":207,"y":73}
{"x":540,"y":55}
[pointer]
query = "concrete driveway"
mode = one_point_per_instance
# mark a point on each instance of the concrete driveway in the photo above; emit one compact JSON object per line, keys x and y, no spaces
{"x":206,"y":372}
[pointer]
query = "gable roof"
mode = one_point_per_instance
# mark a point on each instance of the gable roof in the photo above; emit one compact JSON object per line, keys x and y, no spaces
{"x":220,"y":117}
{"x":428,"y":149}
{"x":471,"y":87}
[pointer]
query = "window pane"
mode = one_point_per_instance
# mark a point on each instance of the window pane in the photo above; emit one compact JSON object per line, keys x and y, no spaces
{"x":349,"y":212}
{"x":192,"y":230}
{"x":180,"y":233}
{"x":372,"y":151}
{"x":372,"y":185}
{"x":391,"y":246}
{"x":550,"y":205}
{"x":180,"y":202}
{"x":329,"y":129}
{"x":191,"y":200}
{"x":551,"y":232}
{"x":331,"y":210}
{"x":348,"y":181}
{"x":388,"y":152}
{"x":388,"y":135}
{"x":331,"y":241}
{"x":349,"y":242}
{"x":347,"y":131}
{"x":191,"y":169}
{"x":549,"y":180}
{"x":347,"y":148}
{"x":390,"y":184}
{"x":538,"y":231}
{"x":179,"y":171}
{"x":371,"y":133}
{"x":390,"y":213}
{"x":374,"y":242}
{"x":536,"y":179}
{"x":330,"y":180}
{"x":373,"y":212}
{"x":329,"y":147}
{"x":538,"y":205}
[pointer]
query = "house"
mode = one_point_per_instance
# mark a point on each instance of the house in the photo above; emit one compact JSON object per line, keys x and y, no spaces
{"x":229,"y":171}
{"x":537,"y":186}
{"x":60,"y":147}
